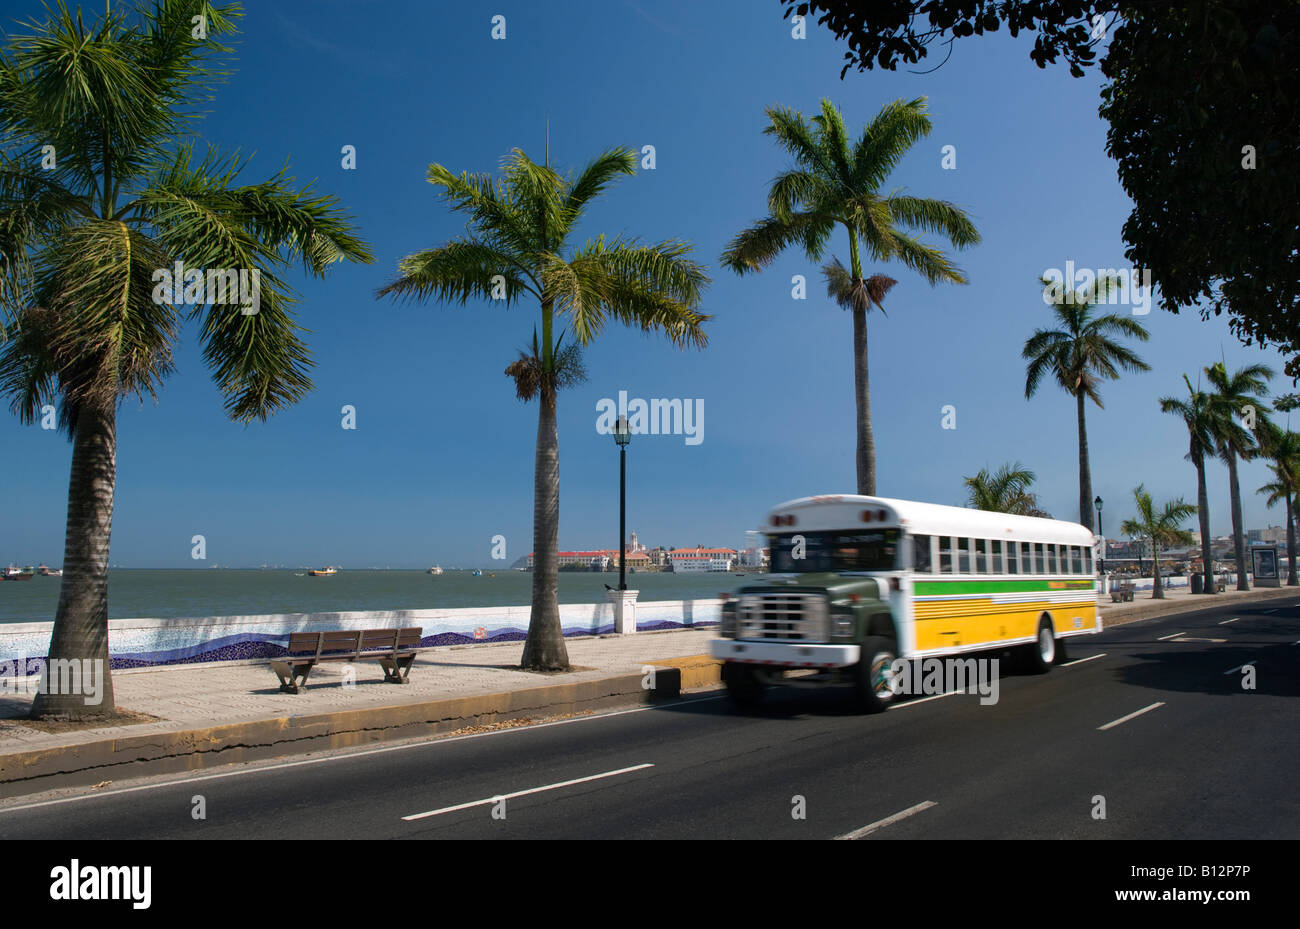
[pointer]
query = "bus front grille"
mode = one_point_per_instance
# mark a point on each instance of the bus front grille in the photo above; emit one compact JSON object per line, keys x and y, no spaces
{"x":787,"y":617}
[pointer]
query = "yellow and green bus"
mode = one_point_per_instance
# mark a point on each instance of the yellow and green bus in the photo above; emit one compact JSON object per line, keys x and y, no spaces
{"x":857,"y":582}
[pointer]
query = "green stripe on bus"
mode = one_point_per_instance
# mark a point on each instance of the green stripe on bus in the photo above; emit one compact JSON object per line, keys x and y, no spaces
{"x":921,"y":588}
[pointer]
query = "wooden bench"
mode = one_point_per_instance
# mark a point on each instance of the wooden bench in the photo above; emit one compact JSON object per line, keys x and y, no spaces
{"x":1122,"y":593}
{"x":394,"y":649}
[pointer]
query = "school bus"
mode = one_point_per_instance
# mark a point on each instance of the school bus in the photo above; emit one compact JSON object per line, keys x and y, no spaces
{"x":857,"y":582}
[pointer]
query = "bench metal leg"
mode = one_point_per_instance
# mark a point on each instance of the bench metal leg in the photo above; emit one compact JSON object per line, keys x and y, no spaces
{"x":397,"y":671}
{"x":291,"y":679}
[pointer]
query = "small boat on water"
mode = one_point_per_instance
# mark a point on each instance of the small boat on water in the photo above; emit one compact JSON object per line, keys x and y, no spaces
{"x":323,"y":572}
{"x":436,"y":570}
{"x":15,"y":573}
{"x":477,"y":573}
{"x":47,"y":571}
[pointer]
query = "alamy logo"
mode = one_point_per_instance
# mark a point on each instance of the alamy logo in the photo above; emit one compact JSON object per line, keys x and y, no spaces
{"x":196,"y":287}
{"x":79,"y":677}
{"x":658,"y":416}
{"x":1124,"y":286}
{"x":933,"y":676}
{"x":103,"y":882}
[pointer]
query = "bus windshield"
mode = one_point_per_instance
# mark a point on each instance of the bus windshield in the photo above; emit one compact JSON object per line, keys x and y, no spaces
{"x":802,"y":552}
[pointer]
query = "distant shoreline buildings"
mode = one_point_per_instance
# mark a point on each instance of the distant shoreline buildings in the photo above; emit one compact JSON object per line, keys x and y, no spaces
{"x":638,"y":558}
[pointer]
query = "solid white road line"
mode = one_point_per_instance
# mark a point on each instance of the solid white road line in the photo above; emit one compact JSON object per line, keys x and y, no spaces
{"x":1174,"y":636}
{"x":1239,"y":667}
{"x":372,"y":751}
{"x":1233,"y":620}
{"x":1082,"y":660}
{"x":524,"y":793}
{"x":1124,"y":719}
{"x":903,"y":706}
{"x":887,"y":821}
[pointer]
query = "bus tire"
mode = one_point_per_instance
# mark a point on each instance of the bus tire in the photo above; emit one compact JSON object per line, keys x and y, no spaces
{"x":873,"y":677}
{"x":1037,"y":657}
{"x":1062,"y":656}
{"x":743,"y":686}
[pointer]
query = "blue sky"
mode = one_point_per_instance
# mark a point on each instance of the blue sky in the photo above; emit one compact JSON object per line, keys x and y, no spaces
{"x":442,"y":457}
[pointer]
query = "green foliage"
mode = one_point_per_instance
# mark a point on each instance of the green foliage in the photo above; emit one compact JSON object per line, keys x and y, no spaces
{"x":118,"y":101}
{"x":1004,"y":491}
{"x":883,"y":34}
{"x":836,"y":182}
{"x":1161,"y":526}
{"x":1193,"y":84}
{"x":1082,"y":351}
{"x":519,"y":226}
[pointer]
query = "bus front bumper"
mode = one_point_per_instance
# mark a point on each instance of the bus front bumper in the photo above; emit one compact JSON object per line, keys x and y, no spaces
{"x":786,"y":654}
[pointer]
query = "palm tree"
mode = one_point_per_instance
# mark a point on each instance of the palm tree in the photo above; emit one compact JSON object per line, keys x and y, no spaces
{"x":1004,"y":491}
{"x":836,"y":183}
{"x":1233,"y":394}
{"x":518,"y":246}
{"x":1079,"y":354}
{"x":1201,"y":416}
{"x":1283,"y":447}
{"x":88,"y":320}
{"x":1161,"y":528}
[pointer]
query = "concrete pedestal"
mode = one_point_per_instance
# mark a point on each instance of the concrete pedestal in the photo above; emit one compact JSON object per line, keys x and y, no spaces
{"x":624,"y":610}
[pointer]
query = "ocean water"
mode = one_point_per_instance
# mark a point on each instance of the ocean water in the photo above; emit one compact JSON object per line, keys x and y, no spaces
{"x":139,"y":594}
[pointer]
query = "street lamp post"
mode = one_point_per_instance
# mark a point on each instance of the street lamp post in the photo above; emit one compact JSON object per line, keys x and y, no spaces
{"x":622,"y":436}
{"x":1101,"y":532}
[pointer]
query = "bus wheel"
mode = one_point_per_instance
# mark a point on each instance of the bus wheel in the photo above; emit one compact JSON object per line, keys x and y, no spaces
{"x":1039,"y":655}
{"x":743,"y":686}
{"x":874,"y":675}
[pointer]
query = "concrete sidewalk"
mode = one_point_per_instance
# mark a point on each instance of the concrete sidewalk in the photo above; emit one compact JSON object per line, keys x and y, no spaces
{"x":212,"y":714}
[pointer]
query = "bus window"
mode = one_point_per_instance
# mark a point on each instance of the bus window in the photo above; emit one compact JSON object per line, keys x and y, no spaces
{"x":981,"y":556}
{"x":921,"y":554}
{"x":1054,"y":565}
{"x":1040,"y":559}
{"x":963,"y":556}
{"x":1012,"y":557}
{"x":995,"y":557}
{"x":1026,"y":559}
{"x":1087,"y":560}
{"x":945,"y":555}
{"x":1076,"y":559}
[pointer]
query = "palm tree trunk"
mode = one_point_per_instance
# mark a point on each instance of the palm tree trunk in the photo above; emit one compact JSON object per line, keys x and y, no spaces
{"x":862,"y":394}
{"x":1290,"y":543}
{"x":81,"y":619}
{"x":1085,"y":473}
{"x":1157,"y":588}
{"x":1203,"y":512}
{"x":1238,"y":537}
{"x":544,"y":649}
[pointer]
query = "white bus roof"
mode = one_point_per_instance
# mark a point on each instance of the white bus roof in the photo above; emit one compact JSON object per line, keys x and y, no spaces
{"x":827,"y":512}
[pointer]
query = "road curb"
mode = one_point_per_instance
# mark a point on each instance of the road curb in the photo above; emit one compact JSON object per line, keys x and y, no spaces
{"x":197,"y":749}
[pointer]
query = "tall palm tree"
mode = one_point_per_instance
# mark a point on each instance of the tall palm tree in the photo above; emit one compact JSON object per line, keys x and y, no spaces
{"x":83,"y":241}
{"x":1202,"y":418}
{"x":518,"y":246}
{"x":1079,"y":354}
{"x":1233,"y":393}
{"x":1004,"y":491}
{"x":836,"y":183}
{"x":1161,"y":527}
{"x":1283,"y":448}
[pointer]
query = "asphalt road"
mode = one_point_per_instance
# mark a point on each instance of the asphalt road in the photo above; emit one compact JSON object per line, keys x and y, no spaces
{"x":1207,"y":758}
